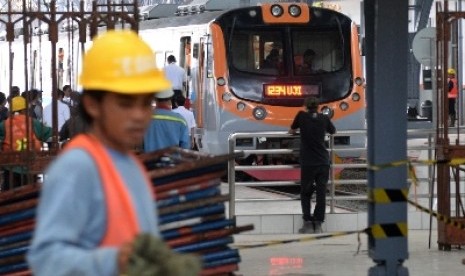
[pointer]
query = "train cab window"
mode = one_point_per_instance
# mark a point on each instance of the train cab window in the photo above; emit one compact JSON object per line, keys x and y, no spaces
{"x":257,"y":52}
{"x":316,"y":53}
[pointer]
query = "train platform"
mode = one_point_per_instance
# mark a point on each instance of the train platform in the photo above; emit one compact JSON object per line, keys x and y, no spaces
{"x":278,"y":221}
{"x":340,"y":256}
{"x":273,"y":213}
{"x":277,"y":218}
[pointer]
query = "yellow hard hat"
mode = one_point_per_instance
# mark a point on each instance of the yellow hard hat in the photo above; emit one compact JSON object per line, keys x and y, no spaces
{"x":18,"y":104}
{"x":120,"y":61}
{"x":451,"y":71}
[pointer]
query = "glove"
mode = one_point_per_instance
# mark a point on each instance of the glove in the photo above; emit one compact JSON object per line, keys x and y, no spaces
{"x":151,"y":257}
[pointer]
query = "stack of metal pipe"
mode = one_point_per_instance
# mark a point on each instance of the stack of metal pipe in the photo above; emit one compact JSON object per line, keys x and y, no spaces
{"x":191,"y":207}
{"x":191,"y":212}
{"x":17,"y":219}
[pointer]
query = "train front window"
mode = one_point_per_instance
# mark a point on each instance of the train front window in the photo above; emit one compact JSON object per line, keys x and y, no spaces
{"x":317,"y":52}
{"x":259,"y":52}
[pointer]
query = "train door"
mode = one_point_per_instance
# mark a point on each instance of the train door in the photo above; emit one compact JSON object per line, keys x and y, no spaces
{"x":198,"y":104}
{"x":194,"y":75}
{"x":185,"y":60}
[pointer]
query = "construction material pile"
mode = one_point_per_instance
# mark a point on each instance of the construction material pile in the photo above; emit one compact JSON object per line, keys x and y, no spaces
{"x":17,"y":213}
{"x":191,"y":212}
{"x":191,"y":207}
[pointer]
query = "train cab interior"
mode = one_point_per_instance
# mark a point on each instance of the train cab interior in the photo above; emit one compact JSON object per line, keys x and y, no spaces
{"x":253,"y":51}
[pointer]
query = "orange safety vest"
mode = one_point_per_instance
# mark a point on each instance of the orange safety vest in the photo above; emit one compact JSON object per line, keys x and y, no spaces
{"x":454,"y":92}
{"x":122,"y":225}
{"x":16,"y":134}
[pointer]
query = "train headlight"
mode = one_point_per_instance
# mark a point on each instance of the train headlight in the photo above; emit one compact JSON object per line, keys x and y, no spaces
{"x":277,"y":10}
{"x":344,"y":106}
{"x":358,"y":81}
{"x":240,"y":106}
{"x":355,"y":97}
{"x":226,"y":96}
{"x":326,"y":110}
{"x":294,"y":10}
{"x":259,"y":113}
{"x":220,"y":81}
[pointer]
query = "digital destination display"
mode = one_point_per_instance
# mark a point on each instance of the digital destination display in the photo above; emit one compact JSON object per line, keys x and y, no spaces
{"x":290,"y":90}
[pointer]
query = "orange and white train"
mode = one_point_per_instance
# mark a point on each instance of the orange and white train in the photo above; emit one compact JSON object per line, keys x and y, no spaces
{"x":232,"y":87}
{"x":233,"y":90}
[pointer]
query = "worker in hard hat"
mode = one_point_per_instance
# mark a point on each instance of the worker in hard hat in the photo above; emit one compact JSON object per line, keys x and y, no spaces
{"x":96,"y":198}
{"x":167,"y":128}
{"x":452,"y":95}
{"x":20,"y":132}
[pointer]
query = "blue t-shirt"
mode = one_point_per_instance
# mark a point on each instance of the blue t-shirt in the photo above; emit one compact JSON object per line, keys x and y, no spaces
{"x":71,"y":216}
{"x":166,"y":129}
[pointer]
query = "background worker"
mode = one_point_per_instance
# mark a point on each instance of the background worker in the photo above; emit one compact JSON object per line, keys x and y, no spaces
{"x":187,"y":115}
{"x":71,"y":98}
{"x":177,"y":76}
{"x":34,"y":100}
{"x":63,"y":111}
{"x":73,"y":126}
{"x":14,"y":92}
{"x":89,"y":217}
{"x":17,"y":134}
{"x":452,"y":95}
{"x":167,"y":128}
{"x":307,"y":63}
{"x":308,"y":66}
{"x":4,"y":112}
{"x":314,"y":162}
{"x":272,"y":60}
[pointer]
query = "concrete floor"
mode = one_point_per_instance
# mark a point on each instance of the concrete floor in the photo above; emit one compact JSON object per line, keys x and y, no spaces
{"x":337,"y":256}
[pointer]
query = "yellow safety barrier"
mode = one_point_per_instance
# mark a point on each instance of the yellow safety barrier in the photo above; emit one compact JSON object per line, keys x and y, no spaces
{"x":440,"y":217}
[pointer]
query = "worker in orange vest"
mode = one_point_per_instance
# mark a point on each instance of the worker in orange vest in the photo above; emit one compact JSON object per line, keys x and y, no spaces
{"x":96,"y":196}
{"x":452,"y":95}
{"x":19,"y":133}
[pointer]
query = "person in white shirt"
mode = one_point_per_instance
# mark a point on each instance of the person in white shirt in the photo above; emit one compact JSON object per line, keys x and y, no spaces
{"x":176,"y":75}
{"x":187,"y":115}
{"x":63,"y":111}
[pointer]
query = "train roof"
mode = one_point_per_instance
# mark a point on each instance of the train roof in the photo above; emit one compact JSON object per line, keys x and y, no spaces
{"x":177,"y":21}
{"x":200,"y":19}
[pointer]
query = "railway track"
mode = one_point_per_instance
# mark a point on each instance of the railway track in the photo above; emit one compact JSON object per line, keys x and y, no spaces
{"x":354,"y":194}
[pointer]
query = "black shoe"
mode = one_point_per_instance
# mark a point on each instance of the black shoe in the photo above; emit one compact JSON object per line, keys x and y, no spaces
{"x":307,"y":228}
{"x":317,"y":227}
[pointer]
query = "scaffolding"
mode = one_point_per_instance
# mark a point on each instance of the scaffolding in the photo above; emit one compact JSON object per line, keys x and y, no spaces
{"x":450,"y":145}
{"x":28,"y":24}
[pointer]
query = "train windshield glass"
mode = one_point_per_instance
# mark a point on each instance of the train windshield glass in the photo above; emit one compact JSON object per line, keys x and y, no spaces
{"x":259,"y":52}
{"x":317,"y":52}
{"x":264,"y":52}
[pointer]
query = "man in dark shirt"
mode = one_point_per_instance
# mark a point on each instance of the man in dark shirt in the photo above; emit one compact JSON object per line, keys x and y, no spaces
{"x":314,"y":162}
{"x":3,"y":109}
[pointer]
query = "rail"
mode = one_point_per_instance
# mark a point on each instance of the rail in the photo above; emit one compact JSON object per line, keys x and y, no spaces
{"x":427,"y":144}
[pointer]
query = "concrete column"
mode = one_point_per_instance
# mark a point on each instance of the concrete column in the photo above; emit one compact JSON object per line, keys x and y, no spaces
{"x":386,"y":24}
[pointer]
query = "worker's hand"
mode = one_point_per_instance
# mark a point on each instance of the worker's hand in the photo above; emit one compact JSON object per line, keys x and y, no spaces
{"x":123,"y":256}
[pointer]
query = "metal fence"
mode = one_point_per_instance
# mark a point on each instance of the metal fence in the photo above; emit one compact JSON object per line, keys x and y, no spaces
{"x":427,"y":144}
